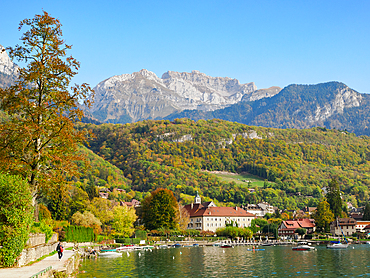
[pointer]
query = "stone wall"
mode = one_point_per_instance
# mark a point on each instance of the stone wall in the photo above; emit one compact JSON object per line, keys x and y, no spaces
{"x":35,"y":239}
{"x":71,"y":267}
{"x":54,"y":238}
{"x":32,"y":254}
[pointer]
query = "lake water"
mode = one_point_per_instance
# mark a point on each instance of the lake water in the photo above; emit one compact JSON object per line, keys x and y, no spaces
{"x":275,"y":261}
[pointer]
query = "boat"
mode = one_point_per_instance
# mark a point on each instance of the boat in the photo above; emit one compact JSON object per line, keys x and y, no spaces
{"x":337,"y":245}
{"x":109,"y":254}
{"x":226,"y":246}
{"x":108,"y":250}
{"x":125,"y":248}
{"x":195,"y":245}
{"x":255,"y":249}
{"x":303,"y":246}
{"x":267,"y":244}
{"x":177,"y":245}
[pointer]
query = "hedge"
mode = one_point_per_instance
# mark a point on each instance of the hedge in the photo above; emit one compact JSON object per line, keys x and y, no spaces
{"x":128,"y":240}
{"x":78,"y":234}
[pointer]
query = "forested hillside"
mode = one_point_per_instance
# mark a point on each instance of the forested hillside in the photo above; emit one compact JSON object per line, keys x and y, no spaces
{"x":64,"y":200}
{"x":175,"y":155}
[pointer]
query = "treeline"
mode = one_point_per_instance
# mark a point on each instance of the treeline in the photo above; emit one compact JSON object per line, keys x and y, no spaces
{"x":174,"y":155}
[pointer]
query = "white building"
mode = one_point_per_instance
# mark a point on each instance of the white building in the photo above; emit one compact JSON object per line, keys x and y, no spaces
{"x":209,"y":217}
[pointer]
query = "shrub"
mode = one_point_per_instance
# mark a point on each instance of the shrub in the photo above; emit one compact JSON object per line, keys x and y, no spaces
{"x":141,"y":234}
{"x":16,"y":216}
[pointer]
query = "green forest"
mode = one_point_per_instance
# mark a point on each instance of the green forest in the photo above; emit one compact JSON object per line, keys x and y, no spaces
{"x":295,"y":164}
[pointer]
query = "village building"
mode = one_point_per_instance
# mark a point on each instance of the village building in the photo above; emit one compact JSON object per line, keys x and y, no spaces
{"x":367,"y":230}
{"x":103,"y":195}
{"x":343,"y":226}
{"x":260,"y":209}
{"x":132,"y":204}
{"x":288,"y":228}
{"x":309,"y":210}
{"x":208,"y":217}
{"x":357,"y":216}
{"x":361,"y":224}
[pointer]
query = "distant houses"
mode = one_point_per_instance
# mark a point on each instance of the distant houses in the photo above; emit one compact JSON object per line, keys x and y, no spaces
{"x":132,"y":204}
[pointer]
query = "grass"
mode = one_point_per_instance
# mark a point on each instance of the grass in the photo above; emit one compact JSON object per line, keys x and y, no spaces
{"x":241,"y":179}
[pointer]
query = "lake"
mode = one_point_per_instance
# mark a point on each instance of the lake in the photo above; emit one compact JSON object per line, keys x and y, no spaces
{"x":275,"y":261}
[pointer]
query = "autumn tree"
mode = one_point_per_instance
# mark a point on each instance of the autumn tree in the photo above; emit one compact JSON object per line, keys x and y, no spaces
{"x":184,"y":217}
{"x":160,"y":209}
{"x":334,"y":199}
{"x":38,"y":139}
{"x":323,"y":216}
{"x":102,"y":209}
{"x":124,"y":218}
{"x":87,"y":219}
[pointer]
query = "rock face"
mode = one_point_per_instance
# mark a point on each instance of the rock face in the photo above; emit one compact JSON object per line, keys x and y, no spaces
{"x":6,"y":65}
{"x":8,"y":70}
{"x":262,"y":93}
{"x":142,"y":95}
{"x":330,"y":105}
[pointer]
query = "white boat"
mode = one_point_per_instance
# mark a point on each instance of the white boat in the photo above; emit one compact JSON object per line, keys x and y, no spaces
{"x":125,"y":248}
{"x":337,"y":245}
{"x":303,"y":246}
{"x":110,"y":254}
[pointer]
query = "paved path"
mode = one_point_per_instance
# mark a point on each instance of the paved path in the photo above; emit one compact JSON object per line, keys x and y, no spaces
{"x":28,"y":271}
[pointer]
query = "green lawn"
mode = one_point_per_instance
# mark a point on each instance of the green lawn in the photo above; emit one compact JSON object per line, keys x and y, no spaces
{"x":241,"y":179}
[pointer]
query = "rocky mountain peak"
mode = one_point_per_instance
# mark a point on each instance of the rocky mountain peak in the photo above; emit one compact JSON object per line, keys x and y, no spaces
{"x":6,"y":65}
{"x":143,"y":95}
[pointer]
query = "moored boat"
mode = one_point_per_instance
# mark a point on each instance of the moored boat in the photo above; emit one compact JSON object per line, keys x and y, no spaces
{"x":125,"y":248}
{"x":109,"y":254}
{"x":226,"y":246}
{"x":337,"y":245}
{"x":303,"y":246}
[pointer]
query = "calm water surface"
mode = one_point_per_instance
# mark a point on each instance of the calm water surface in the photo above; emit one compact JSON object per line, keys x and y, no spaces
{"x":275,"y":261}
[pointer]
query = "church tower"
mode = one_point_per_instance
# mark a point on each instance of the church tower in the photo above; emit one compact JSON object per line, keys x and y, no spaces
{"x":197,"y":199}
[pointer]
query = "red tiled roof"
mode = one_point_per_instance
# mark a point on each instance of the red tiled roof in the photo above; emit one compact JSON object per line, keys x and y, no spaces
{"x":295,"y":224}
{"x":306,"y":223}
{"x":200,"y":210}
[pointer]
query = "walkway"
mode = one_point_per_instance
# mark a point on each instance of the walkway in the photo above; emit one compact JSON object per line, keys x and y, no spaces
{"x":28,"y":271}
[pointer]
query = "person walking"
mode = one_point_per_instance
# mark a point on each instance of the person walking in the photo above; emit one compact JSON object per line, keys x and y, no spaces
{"x":60,"y":250}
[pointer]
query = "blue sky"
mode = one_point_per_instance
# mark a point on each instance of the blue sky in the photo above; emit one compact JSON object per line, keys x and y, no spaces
{"x":271,"y":43}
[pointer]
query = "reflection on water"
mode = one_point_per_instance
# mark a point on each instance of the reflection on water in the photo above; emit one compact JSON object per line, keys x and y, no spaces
{"x":275,"y":261}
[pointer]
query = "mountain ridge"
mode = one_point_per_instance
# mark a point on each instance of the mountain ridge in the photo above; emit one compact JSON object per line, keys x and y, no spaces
{"x":143,"y":95}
